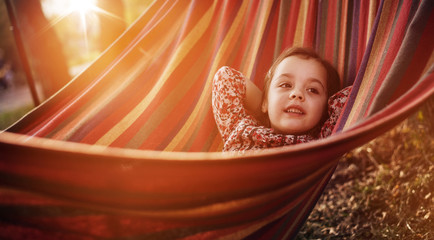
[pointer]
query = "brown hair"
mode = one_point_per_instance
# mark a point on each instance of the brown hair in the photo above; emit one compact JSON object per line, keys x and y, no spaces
{"x":333,"y":80}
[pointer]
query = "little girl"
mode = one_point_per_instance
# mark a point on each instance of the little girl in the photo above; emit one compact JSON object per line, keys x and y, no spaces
{"x":293,"y":108}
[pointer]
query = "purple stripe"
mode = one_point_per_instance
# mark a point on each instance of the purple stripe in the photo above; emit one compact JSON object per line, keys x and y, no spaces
{"x":390,"y":39}
{"x":358,"y":81}
{"x":321,"y":27}
{"x":417,"y":23}
{"x":352,"y":65}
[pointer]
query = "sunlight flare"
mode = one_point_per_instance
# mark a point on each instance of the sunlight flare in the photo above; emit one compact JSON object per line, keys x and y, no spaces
{"x":83,"y":6}
{"x":85,"y":13}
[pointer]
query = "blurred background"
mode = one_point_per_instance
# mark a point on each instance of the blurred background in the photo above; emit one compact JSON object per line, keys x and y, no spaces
{"x":59,"y":39}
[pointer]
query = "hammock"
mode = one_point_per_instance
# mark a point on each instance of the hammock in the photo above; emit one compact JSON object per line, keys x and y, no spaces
{"x":129,"y":148}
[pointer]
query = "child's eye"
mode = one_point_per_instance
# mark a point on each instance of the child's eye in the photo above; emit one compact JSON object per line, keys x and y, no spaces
{"x":285,"y":85}
{"x":313,"y":90}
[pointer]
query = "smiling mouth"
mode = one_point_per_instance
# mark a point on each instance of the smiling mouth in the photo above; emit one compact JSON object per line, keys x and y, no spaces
{"x":294,"y":110}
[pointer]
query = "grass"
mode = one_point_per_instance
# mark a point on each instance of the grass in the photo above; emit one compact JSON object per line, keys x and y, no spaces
{"x":11,"y":116}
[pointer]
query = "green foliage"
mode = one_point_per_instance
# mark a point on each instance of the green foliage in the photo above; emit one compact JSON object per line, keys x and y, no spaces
{"x":9,"y":117}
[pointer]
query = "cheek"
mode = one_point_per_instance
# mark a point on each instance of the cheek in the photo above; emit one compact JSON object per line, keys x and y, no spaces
{"x":320,"y":107}
{"x":272,"y":103}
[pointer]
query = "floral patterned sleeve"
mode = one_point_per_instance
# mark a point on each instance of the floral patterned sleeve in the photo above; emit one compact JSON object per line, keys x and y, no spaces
{"x":335,"y":105}
{"x":239,"y":130}
{"x":228,"y":93}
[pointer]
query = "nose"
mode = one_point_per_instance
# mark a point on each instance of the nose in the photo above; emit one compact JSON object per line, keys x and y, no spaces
{"x":296,"y":94}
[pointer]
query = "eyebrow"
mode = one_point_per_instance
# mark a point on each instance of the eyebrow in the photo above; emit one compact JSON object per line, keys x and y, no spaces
{"x":288,"y":75}
{"x":318,"y":81}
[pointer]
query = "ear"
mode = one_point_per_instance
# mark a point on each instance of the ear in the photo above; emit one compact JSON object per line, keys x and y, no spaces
{"x":264,"y":107}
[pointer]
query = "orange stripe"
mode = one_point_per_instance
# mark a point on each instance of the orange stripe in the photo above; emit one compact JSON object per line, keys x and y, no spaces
{"x":174,"y":105}
{"x":379,"y":56}
{"x":100,"y":102}
{"x":257,"y":36}
{"x":185,"y":45}
{"x":248,"y":26}
{"x":330,"y":39}
{"x":191,"y":140}
{"x":291,"y":23}
{"x":223,"y":52}
{"x":207,"y":138}
{"x":217,"y":144}
{"x":195,"y":132}
{"x":361,"y":41}
{"x":342,"y":40}
{"x":371,"y":17}
{"x":185,"y":134}
{"x":70,"y":105}
{"x":144,"y":50}
{"x":301,"y":23}
{"x":310,"y":27}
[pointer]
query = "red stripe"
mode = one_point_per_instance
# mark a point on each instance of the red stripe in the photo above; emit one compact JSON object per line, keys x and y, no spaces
{"x":137,"y":96}
{"x":425,"y":48}
{"x":81,"y":98}
{"x":249,"y":26}
{"x":330,"y":40}
{"x":205,"y":135}
{"x":168,"y":126}
{"x":310,"y":26}
{"x":265,"y":54}
{"x":130,"y":102}
{"x":381,"y":40}
{"x":363,"y":23}
{"x":230,"y":13}
{"x":393,"y":47}
{"x":156,"y":139}
{"x":291,"y":23}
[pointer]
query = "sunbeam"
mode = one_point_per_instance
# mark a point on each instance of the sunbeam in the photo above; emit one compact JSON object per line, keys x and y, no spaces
{"x":85,"y":12}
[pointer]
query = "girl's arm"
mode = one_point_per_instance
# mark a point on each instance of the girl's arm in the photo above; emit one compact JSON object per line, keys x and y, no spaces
{"x":234,"y":100}
{"x":228,"y":94}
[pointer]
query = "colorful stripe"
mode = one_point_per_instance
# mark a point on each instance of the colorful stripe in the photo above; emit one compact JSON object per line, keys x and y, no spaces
{"x":399,"y":25}
{"x":148,"y":167}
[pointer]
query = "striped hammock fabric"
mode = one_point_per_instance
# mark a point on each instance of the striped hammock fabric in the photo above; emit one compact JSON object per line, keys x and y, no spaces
{"x":129,"y":149}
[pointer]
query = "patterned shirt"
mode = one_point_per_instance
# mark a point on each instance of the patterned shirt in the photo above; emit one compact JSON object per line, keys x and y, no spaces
{"x":241,"y":131}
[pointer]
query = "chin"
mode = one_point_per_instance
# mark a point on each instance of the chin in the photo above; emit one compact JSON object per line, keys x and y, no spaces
{"x":297,"y":131}
{"x":289,"y":131}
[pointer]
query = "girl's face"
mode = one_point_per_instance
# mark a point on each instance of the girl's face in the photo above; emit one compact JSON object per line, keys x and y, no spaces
{"x":297,"y":96}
